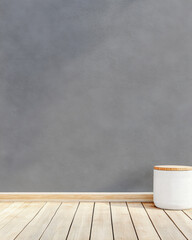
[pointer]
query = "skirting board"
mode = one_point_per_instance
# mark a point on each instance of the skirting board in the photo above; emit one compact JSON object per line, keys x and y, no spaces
{"x":77,"y":196}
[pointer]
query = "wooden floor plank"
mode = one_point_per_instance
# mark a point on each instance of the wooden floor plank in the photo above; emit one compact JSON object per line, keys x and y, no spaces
{"x":122,"y":224}
{"x":59,"y":226}
{"x":183,"y":222}
{"x":101,"y":227}
{"x":15,"y":226}
{"x":37,"y":226}
{"x":81,"y":226}
{"x":11,"y":212}
{"x":3,"y":206}
{"x":188,"y":212}
{"x":165,"y":227}
{"x":142,"y":223}
{"x":10,"y":209}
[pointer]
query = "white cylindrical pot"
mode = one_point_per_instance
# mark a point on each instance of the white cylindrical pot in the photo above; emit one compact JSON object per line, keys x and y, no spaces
{"x":172,"y":187}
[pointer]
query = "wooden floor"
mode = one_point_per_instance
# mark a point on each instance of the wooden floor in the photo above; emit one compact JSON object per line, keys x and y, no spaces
{"x":92,"y":221}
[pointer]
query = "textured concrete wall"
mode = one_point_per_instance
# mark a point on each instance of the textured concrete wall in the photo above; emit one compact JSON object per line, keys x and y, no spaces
{"x":93,"y":93}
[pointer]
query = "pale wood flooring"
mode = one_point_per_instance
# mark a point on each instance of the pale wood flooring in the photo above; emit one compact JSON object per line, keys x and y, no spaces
{"x":92,"y":221}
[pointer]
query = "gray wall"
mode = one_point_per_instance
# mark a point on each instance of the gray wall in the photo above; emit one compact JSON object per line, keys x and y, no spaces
{"x":93,"y":93}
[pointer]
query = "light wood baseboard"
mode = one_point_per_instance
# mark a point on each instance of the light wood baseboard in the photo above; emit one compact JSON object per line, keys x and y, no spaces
{"x":77,"y":196}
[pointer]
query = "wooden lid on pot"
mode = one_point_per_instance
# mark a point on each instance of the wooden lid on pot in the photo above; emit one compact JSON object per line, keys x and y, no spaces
{"x":173,"y":168}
